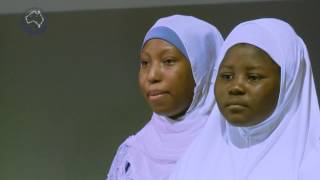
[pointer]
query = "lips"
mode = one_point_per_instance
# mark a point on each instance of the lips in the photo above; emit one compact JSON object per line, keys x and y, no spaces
{"x":236,"y":107}
{"x":236,"y":104}
{"x":155,"y":94}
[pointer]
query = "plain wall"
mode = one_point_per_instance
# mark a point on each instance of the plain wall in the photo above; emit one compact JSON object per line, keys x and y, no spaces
{"x":18,"y":6}
{"x":70,"y":96}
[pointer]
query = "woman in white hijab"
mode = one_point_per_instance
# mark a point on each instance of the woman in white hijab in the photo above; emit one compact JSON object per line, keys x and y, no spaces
{"x":177,"y":59}
{"x":267,"y":122}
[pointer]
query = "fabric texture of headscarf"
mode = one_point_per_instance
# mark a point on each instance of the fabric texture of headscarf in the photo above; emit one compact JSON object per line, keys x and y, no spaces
{"x":284,"y":146}
{"x":154,"y":150}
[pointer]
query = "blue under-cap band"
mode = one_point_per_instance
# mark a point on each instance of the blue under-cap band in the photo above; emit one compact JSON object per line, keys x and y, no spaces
{"x":168,"y":35}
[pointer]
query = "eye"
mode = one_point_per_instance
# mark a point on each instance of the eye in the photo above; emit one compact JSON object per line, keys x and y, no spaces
{"x":143,"y":63}
{"x":169,"y":62}
{"x":226,"y":76}
{"x":254,"y":77}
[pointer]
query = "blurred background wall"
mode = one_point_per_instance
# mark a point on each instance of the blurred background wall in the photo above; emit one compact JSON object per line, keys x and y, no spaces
{"x":69,"y":96}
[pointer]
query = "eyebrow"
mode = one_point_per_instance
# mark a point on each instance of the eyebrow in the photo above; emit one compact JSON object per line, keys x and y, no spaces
{"x":226,"y":67}
{"x":231,"y":67}
{"x":143,"y":54}
{"x":165,"y":50}
{"x":168,"y":50}
{"x":255,"y":67}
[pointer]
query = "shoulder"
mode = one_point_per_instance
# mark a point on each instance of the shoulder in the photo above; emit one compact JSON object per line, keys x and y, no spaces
{"x":120,"y":165}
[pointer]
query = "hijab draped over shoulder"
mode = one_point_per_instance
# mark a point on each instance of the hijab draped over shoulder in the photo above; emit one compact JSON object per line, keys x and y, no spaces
{"x":285,"y":146}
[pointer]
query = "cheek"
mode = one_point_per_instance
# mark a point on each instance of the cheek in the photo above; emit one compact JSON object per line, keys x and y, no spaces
{"x":269,"y":93}
{"x":190,"y":89}
{"x":178,"y":80}
{"x":268,"y":99}
{"x":142,"y":82}
{"x":182,"y":87}
{"x":218,"y":91}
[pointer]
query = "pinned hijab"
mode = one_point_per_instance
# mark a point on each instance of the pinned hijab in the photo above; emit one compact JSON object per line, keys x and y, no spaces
{"x":284,"y":146}
{"x":154,"y":150}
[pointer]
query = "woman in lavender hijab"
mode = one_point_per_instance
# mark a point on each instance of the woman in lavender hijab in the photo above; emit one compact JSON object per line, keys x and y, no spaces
{"x":175,"y":76}
{"x":267,"y":122}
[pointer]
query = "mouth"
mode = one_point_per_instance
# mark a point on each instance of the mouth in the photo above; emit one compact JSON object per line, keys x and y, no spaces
{"x":236,"y":103}
{"x":236,"y":107}
{"x":156,"y":94}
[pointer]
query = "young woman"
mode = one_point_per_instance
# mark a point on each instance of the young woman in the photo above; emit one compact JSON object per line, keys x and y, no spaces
{"x":267,"y":122}
{"x":175,"y":77}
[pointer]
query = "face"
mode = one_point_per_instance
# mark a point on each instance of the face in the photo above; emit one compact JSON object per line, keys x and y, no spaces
{"x":165,"y":78}
{"x":247,"y":86}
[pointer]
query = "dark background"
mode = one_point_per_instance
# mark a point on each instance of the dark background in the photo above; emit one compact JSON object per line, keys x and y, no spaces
{"x":70,"y":96}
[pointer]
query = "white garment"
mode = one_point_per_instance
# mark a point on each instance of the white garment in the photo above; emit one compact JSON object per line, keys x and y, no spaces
{"x":153,"y":151}
{"x":286,"y":146}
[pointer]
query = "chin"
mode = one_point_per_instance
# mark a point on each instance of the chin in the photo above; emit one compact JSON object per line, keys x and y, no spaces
{"x":161,"y":111}
{"x":242,"y":122}
{"x":237,"y":121}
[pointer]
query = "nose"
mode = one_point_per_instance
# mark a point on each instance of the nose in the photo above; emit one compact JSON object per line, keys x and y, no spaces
{"x":154,"y":73}
{"x":237,"y":87}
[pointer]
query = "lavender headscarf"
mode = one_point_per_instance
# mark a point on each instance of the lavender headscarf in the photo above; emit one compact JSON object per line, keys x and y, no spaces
{"x":154,"y":150}
{"x":284,"y":146}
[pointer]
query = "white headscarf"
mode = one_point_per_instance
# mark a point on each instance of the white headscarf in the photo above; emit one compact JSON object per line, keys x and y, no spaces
{"x":286,"y":146}
{"x":155,"y":149}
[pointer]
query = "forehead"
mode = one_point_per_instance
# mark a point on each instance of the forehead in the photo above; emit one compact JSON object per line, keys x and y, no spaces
{"x":158,"y":46}
{"x":247,"y":55}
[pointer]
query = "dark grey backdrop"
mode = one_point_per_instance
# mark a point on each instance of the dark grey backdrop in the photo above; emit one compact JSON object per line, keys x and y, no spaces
{"x":69,"y":97}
